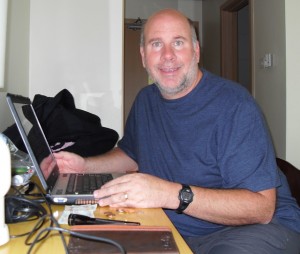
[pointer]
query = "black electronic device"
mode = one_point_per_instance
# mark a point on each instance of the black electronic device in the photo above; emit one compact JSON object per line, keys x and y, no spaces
{"x":77,"y":219}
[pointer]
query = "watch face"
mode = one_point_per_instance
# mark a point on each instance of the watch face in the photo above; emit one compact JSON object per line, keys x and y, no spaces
{"x":186,"y":195}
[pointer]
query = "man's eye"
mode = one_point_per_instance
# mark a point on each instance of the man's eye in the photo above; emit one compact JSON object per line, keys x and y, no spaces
{"x":178,"y":43}
{"x":156,"y":44}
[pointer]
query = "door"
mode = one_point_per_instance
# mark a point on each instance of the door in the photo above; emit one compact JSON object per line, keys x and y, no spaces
{"x":135,"y":76}
{"x":236,"y":42}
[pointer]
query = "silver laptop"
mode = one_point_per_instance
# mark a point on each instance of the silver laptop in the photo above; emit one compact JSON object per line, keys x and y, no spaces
{"x":60,"y":188}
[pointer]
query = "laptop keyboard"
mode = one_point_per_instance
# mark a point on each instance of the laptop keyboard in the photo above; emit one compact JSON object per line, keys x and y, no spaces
{"x":86,"y":183}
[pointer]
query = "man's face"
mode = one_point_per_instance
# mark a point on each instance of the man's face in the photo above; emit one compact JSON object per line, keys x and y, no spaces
{"x":170,"y":56}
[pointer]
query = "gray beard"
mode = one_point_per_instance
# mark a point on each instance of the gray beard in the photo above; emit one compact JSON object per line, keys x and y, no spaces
{"x":173,"y":91}
{"x":186,"y":82}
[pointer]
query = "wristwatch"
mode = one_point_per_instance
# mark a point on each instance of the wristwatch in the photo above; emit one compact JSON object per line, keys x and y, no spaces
{"x":185,"y":197}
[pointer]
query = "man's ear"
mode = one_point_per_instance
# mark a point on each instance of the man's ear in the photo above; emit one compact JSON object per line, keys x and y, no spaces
{"x":142,"y":52}
{"x":198,"y":51}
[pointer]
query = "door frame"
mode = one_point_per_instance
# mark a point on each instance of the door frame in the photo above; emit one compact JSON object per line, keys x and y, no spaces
{"x":229,"y":38}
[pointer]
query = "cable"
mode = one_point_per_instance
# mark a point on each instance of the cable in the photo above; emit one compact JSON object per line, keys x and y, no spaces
{"x":25,"y":191}
{"x":42,"y":219}
{"x":33,"y":210}
{"x":20,"y":208}
{"x":38,"y":238}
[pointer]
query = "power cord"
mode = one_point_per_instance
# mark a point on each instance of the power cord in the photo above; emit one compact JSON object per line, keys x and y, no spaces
{"x":41,"y":236}
{"x":19,"y":208}
{"x":28,"y":209}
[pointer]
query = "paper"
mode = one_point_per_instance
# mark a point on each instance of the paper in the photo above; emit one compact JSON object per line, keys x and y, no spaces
{"x":87,"y":210}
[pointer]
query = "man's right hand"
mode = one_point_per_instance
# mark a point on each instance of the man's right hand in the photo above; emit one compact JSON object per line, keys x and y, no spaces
{"x":70,"y":162}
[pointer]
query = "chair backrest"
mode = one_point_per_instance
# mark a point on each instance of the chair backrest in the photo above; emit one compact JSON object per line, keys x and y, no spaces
{"x":293,"y":177}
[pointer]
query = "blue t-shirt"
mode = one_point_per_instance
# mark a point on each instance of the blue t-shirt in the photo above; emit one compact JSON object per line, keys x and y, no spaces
{"x":214,"y":137}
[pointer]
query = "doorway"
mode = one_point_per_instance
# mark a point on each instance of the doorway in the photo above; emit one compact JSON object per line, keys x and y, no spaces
{"x":135,"y":76}
{"x":236,"y":42}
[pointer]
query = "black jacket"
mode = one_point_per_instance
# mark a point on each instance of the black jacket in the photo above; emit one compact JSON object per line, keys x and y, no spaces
{"x":68,"y":128}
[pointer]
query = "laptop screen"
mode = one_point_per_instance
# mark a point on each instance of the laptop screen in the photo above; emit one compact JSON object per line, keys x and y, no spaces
{"x":34,"y":139}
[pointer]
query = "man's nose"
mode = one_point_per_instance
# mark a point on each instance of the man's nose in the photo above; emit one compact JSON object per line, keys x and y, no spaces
{"x":168,"y":53}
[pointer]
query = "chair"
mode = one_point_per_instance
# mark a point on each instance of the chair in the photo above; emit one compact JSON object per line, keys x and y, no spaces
{"x":293,"y":177}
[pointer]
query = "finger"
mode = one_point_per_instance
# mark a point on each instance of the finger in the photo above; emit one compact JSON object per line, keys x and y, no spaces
{"x":117,"y":181}
{"x":114,"y":200}
{"x":113,"y":187}
{"x":59,"y":155}
{"x":107,"y":191}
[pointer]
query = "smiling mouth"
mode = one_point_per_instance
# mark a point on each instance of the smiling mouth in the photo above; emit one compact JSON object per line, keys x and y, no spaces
{"x":168,"y":70}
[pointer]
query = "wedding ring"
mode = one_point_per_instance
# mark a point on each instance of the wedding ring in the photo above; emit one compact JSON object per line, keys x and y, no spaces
{"x":126,"y":196}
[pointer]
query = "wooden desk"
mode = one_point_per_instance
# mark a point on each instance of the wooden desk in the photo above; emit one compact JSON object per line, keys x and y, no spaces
{"x":52,"y":244}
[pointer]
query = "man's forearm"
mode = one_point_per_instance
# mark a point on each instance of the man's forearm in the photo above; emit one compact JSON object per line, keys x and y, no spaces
{"x":114,"y":161}
{"x":227,"y":207}
{"x":233,"y":207}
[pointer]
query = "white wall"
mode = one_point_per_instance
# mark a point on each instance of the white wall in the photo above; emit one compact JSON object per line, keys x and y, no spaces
{"x":78,"y":45}
{"x":292,"y":22}
{"x":3,"y":25}
{"x":70,"y":44}
{"x":17,"y":56}
{"x":270,"y":83}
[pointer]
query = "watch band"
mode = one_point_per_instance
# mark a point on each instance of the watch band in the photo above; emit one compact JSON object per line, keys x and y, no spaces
{"x":185,"y":197}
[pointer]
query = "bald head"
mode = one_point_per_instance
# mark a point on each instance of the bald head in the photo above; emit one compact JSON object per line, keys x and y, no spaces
{"x":165,"y":17}
{"x":170,"y":53}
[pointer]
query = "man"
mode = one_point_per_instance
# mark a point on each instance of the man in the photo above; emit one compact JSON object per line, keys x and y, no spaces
{"x":201,"y":150}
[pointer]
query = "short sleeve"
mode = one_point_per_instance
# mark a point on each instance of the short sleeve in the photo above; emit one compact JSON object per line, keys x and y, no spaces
{"x":245,"y":151}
